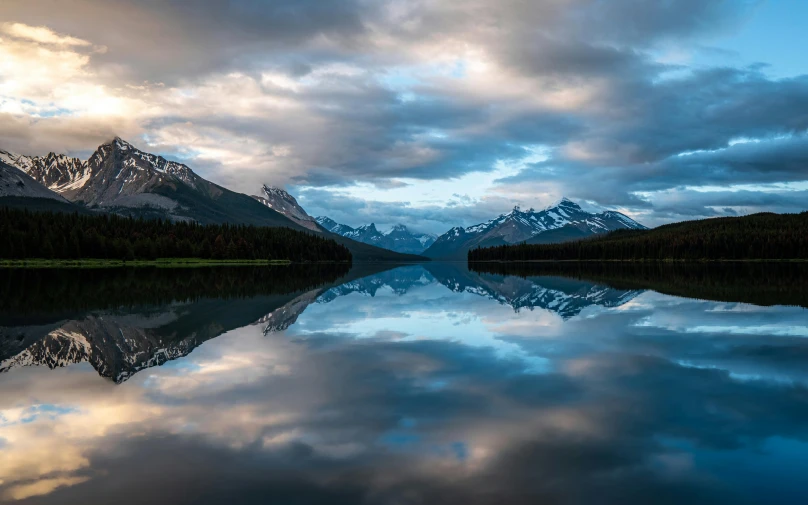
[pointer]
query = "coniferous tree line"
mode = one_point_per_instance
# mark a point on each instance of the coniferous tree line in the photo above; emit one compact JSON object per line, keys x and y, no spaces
{"x":27,"y":235}
{"x":758,"y":236}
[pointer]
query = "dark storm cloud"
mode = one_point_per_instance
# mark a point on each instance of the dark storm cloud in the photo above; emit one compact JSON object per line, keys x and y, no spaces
{"x":166,"y":41}
{"x":435,"y":218}
{"x":582,"y":78}
{"x":681,"y":132}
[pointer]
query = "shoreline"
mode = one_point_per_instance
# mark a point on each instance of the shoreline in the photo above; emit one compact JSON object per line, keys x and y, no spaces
{"x":160,"y":263}
{"x":667,"y":260}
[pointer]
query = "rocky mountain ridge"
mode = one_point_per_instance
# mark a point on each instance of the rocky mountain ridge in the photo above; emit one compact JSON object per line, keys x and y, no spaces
{"x":564,"y":220}
{"x":281,"y":201}
{"x":399,"y":238}
{"x":16,"y":183}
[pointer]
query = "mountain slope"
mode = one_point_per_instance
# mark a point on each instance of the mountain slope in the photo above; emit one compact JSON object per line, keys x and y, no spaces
{"x":280,"y":201}
{"x":16,"y":183}
{"x":563,"y":221}
{"x":121,"y":179}
{"x":333,"y":226}
{"x":57,"y":172}
{"x":399,"y":239}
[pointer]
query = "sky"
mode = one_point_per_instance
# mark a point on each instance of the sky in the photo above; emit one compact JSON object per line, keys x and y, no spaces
{"x":431,"y":113}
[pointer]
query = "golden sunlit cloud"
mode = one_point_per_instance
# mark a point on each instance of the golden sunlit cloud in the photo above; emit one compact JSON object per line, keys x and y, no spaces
{"x":41,"y":34}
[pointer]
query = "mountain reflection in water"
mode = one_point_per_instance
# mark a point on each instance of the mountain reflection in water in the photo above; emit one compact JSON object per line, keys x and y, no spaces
{"x":417,"y":384}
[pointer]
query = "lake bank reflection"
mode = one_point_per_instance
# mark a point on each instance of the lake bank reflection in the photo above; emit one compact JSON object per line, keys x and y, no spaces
{"x":431,"y":384}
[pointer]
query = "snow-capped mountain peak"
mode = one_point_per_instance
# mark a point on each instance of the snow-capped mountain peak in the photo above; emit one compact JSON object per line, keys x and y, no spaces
{"x":275,"y":192}
{"x":563,"y":202}
{"x":518,"y":226}
{"x":57,"y":172}
{"x":399,"y":238}
{"x":16,"y":160}
{"x":368,"y":227}
{"x":122,"y":144}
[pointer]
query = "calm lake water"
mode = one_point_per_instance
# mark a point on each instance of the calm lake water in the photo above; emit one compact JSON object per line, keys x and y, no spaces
{"x":419,"y":384}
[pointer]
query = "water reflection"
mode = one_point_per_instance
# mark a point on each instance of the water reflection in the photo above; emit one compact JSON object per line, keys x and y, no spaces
{"x":758,"y":283}
{"x":430,"y":385}
{"x":122,"y":321}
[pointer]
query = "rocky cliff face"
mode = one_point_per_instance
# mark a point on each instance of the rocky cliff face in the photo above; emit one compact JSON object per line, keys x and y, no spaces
{"x":280,"y":201}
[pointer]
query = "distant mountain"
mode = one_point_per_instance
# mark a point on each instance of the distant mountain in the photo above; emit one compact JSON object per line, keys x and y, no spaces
{"x":119,"y":178}
{"x":279,"y":200}
{"x":123,"y":179}
{"x":59,"y":173}
{"x":399,"y":239}
{"x":16,"y":183}
{"x":282,"y":202}
{"x":763,"y":236}
{"x":560,"y":222}
{"x":402,"y":240}
{"x":333,"y":226}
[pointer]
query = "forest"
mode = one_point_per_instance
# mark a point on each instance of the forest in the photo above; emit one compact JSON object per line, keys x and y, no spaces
{"x":71,"y":236}
{"x":762,"y":236}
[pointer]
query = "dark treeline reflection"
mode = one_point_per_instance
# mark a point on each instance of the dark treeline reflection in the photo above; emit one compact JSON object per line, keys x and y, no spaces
{"x":122,"y":321}
{"x":757,"y":283}
{"x":34,"y":292}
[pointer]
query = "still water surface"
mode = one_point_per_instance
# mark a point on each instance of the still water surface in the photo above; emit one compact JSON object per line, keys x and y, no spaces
{"x":418,"y":384}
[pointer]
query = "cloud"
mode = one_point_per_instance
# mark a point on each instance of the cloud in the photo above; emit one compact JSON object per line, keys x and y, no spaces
{"x":332,"y":409}
{"x":331,"y":94}
{"x":41,"y":34}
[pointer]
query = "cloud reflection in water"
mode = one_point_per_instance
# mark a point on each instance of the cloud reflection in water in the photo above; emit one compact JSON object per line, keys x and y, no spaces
{"x":405,"y":388}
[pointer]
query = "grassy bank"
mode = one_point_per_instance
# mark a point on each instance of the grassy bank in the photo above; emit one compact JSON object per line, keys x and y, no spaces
{"x":162,"y":262}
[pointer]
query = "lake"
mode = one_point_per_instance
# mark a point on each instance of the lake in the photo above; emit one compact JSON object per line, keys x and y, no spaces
{"x":427,"y":384}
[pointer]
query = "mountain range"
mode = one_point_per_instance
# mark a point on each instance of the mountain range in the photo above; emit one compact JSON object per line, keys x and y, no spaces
{"x":399,"y":238}
{"x":122,"y":179}
{"x":119,"y":178}
{"x":560,"y":222}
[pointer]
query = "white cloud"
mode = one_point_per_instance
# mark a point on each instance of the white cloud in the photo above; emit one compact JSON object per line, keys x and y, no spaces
{"x":396,"y":103}
{"x":41,"y":34}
